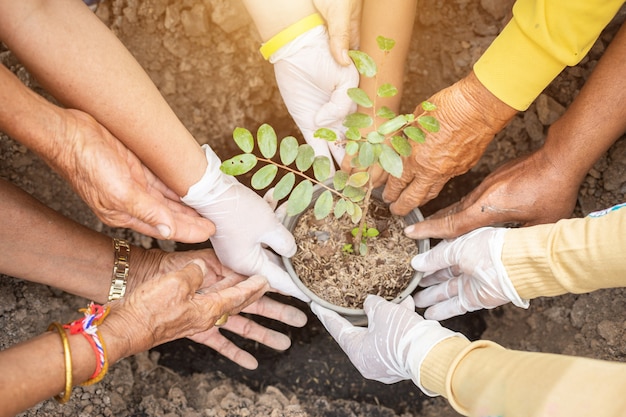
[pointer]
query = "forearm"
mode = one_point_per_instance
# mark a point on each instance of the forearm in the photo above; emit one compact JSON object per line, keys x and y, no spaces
{"x":572,"y":255}
{"x":272,"y":16}
{"x":538,"y":43}
{"x":394,"y":20}
{"x":76,"y":50}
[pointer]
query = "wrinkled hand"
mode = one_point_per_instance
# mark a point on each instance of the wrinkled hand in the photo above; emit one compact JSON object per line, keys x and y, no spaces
{"x":245,"y":227}
{"x":343,"y":18}
{"x":469,"y":116}
{"x":314,"y":88}
{"x":151,"y":264}
{"x":177,"y":305}
{"x":393,"y":346}
{"x":527,"y":191}
{"x":465,"y":274}
{"x":119,"y":189}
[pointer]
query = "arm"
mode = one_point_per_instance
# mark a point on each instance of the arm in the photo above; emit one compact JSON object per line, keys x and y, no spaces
{"x":542,"y":187}
{"x":35,"y":370}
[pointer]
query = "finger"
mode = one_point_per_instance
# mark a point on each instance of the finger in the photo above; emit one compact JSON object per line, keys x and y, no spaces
{"x":281,"y":281}
{"x":233,"y":299}
{"x":436,"y":294}
{"x":437,"y":277}
{"x":338,"y":23}
{"x":278,"y":311}
{"x":216,"y":341}
{"x":434,"y":259}
{"x":421,"y":190}
{"x":280,"y":240}
{"x":332,"y":321}
{"x":193,"y":273}
{"x":445,"y":310}
{"x":251,"y":330}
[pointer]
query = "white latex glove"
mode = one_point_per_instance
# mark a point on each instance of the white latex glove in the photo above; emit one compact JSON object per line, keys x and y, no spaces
{"x":393,"y":346}
{"x":314,"y":88}
{"x":465,"y":274}
{"x":245,"y":226}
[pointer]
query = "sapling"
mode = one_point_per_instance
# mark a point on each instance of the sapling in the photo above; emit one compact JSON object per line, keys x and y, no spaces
{"x":367,"y":144}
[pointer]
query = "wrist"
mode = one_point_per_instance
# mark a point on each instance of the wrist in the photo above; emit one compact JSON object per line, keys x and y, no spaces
{"x":495,"y":112}
{"x":289,"y":34}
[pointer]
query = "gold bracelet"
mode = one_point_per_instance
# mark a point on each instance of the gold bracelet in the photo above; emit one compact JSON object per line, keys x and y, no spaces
{"x":121,"y":268}
{"x":62,"y":399}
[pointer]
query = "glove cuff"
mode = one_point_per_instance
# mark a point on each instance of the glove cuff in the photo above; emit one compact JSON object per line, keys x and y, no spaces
{"x":508,"y":289}
{"x":290,"y":33}
{"x":212,"y":184}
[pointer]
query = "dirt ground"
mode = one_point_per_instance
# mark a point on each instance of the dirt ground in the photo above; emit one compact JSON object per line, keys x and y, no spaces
{"x":203,"y":56}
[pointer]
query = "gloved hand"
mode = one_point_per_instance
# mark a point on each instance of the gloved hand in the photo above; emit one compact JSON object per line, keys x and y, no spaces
{"x":393,"y":346}
{"x":469,"y":116}
{"x":465,"y":274}
{"x":314,"y":88}
{"x":245,"y":225}
{"x":533,"y":189}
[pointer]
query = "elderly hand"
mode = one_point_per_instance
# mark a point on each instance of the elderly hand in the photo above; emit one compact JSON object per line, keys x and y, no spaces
{"x":465,"y":274}
{"x":148,"y":265}
{"x":314,"y":88}
{"x":530,"y":190}
{"x":178,"y":304}
{"x":469,"y":116}
{"x":393,"y":346}
{"x":120,"y":190}
{"x":245,"y":227}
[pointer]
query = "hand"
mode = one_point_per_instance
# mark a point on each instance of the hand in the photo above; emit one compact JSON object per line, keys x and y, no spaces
{"x":469,"y":116}
{"x":314,"y":88}
{"x":530,"y":190}
{"x":120,"y":190}
{"x":245,"y":226}
{"x":465,"y":274}
{"x":178,"y":304}
{"x":343,"y":19}
{"x":393,"y":346}
{"x":151,"y":264}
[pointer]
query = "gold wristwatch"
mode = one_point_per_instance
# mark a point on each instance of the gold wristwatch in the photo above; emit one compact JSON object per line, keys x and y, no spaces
{"x":121,"y":267}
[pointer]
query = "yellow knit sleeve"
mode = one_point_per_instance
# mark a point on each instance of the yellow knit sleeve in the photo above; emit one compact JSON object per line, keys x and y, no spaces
{"x":542,"y":38}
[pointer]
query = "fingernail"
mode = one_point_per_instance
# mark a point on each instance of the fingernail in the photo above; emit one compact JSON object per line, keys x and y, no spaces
{"x":164,"y":230}
{"x":346,"y":57}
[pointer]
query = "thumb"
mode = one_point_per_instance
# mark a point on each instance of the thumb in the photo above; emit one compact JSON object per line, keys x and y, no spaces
{"x":339,"y":37}
{"x":280,"y":240}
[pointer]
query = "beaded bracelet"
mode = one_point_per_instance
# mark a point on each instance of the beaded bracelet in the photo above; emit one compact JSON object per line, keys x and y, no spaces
{"x":62,"y":399}
{"x":88,"y":327}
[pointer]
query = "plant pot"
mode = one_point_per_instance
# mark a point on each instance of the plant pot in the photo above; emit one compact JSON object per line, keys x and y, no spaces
{"x":355,"y":315}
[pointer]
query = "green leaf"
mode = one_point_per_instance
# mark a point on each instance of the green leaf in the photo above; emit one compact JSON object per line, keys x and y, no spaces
{"x":350,"y":207}
{"x":362,"y":249}
{"x":243,"y":139}
{"x":375,"y":137}
{"x":354,"y":231}
{"x":340,"y":180}
{"x":358,"y":179}
{"x":415,"y":133}
{"x":428,"y":106}
{"x":385,"y":44}
{"x":323,"y":205}
{"x":263,"y":177}
{"x":353,"y":133}
{"x":360,"y":97}
{"x":340,"y":208}
{"x":284,"y":186}
{"x":385,"y":112}
{"x":387,"y":90}
{"x":363,"y":63}
{"x":391,"y":161}
{"x":392,"y":125}
{"x":321,"y":168}
{"x":352,"y":148}
{"x":300,"y":198}
{"x":266,"y":137}
{"x":356,"y":216}
{"x":354,"y":194}
{"x":401,"y":145}
{"x":326,"y":134}
{"x":366,"y":155}
{"x":371,"y":232}
{"x":358,"y":120}
{"x":239,"y":164}
{"x":288,"y":150}
{"x":429,"y":123}
{"x":305,"y":158}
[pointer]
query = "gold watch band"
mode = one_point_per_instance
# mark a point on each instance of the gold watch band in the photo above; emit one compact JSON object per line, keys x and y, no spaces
{"x":121,"y":267}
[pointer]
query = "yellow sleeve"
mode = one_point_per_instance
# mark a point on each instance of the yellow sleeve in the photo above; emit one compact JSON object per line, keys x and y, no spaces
{"x":542,"y":38}
{"x":573,"y":255}
{"x":484,"y":379}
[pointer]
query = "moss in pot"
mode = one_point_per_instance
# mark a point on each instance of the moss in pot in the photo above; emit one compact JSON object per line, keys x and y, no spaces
{"x":308,"y":184}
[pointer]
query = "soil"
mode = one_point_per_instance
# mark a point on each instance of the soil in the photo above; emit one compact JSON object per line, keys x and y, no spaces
{"x":345,"y":279}
{"x":203,"y":56}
